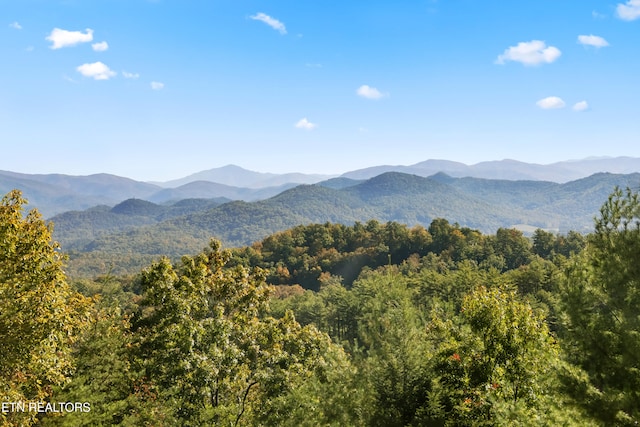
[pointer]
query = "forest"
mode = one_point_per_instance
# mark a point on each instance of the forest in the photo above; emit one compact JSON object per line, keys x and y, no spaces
{"x":125,"y":238}
{"x":327,"y":324}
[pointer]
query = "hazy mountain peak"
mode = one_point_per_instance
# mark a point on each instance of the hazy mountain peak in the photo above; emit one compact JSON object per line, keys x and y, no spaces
{"x":511,"y":169}
{"x":237,"y":176}
{"x":54,"y":193}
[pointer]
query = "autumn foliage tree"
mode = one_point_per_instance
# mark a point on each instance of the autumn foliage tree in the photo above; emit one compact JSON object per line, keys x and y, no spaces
{"x":40,"y":315}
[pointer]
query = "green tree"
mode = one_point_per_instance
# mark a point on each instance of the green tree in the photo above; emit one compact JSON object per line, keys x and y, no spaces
{"x":601,"y":296}
{"x":386,"y":339}
{"x":492,"y":364}
{"x":543,"y":243}
{"x":441,"y":232}
{"x":546,"y":244}
{"x":105,"y":378}
{"x":40,"y":316}
{"x":513,"y":246}
{"x":204,"y":341}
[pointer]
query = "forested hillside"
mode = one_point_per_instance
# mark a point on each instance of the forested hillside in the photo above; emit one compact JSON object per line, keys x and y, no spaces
{"x":124,"y":240}
{"x":57,"y":193}
{"x":370,"y":324}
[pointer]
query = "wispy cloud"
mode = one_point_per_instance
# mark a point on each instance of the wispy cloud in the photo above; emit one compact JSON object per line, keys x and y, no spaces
{"x":127,"y":75}
{"x":63,"y":38}
{"x":580,"y":106}
{"x":157,"y":85}
{"x":628,"y":11}
{"x":272,"y":22}
{"x":534,"y":52}
{"x":15,"y":26}
{"x":591,"y":40}
{"x":96,"y":70}
{"x":369,"y":92}
{"x":305,"y":124}
{"x":551,"y":102}
{"x":100,"y":47}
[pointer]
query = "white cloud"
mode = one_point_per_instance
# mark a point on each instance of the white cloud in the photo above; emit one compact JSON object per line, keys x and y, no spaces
{"x":369,"y":92}
{"x":157,"y":85}
{"x":96,"y":70}
{"x":305,"y":124}
{"x":581,"y":106}
{"x":127,"y":75}
{"x":628,"y":11}
{"x":63,"y":38}
{"x":550,"y":102}
{"x":100,"y":47}
{"x":272,"y":22}
{"x":591,"y":40}
{"x":15,"y":26}
{"x":534,"y":52}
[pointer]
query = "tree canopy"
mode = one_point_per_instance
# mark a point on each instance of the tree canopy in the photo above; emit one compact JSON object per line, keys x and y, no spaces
{"x":374,"y":324}
{"x":601,"y":295}
{"x":40,"y":315}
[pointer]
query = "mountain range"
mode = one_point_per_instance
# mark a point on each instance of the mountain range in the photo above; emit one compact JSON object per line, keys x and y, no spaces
{"x":130,"y":234}
{"x":560,"y":172}
{"x":57,"y":193}
{"x":109,"y":223}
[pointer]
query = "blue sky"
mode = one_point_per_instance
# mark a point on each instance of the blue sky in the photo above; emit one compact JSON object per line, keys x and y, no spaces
{"x":159,"y":89}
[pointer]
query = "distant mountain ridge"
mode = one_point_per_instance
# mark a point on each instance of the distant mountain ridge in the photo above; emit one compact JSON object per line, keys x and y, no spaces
{"x":57,"y":193}
{"x":138,"y":230}
{"x":559,"y":172}
{"x":236,"y":176}
{"x":53,"y":194}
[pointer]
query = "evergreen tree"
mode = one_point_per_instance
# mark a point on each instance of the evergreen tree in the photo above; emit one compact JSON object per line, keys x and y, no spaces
{"x":601,"y":297}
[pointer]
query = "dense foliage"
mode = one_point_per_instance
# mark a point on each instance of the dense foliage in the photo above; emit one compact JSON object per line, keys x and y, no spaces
{"x":602,"y":306}
{"x":372,"y":324}
{"x":40,"y":315}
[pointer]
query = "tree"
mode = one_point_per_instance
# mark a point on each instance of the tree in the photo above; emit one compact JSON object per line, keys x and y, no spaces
{"x":543,"y":243}
{"x":204,"y":341}
{"x":601,"y":297}
{"x":492,"y":364}
{"x":105,"y":378}
{"x":513,"y":246}
{"x":390,"y":346}
{"x":546,"y":244}
{"x":40,"y":316}
{"x":441,"y":232}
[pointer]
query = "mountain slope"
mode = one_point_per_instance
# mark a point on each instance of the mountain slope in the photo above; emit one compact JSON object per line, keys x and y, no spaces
{"x":411,"y":199}
{"x":55,"y":193}
{"x":77,"y":229}
{"x":149,"y":230}
{"x":209,"y":190}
